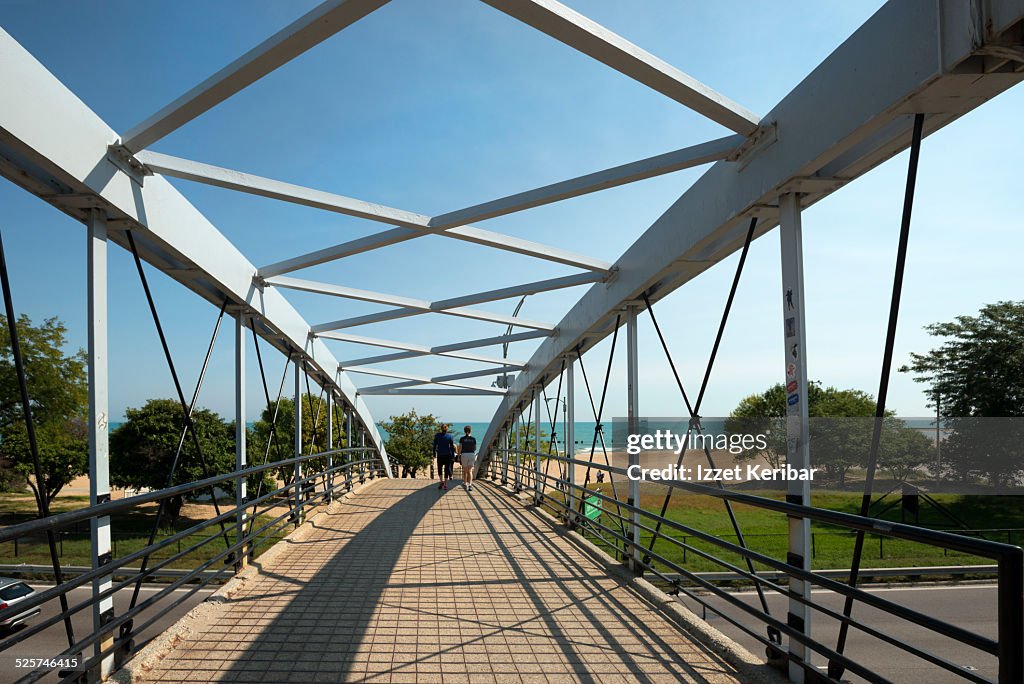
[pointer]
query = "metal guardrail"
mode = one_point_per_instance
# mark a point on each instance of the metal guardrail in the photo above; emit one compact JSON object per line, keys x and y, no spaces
{"x":317,"y":488}
{"x":520,"y":468}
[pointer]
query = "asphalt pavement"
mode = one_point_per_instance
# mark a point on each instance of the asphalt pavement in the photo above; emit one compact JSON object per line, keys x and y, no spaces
{"x":970,"y":606}
{"x":52,"y":641}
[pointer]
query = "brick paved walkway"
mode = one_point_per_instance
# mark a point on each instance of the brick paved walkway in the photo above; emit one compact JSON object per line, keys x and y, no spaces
{"x":404,"y":583}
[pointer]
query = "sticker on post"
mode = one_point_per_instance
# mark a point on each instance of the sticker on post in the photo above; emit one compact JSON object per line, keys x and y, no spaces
{"x":791,"y":326}
{"x":793,"y":399}
{"x":791,"y":387}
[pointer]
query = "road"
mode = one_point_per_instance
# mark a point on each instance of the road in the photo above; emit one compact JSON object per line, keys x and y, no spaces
{"x":52,"y":640}
{"x":970,"y":606}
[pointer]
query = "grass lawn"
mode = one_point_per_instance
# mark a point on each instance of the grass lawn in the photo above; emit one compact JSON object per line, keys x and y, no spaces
{"x":766,"y":531}
{"x":130,"y":532}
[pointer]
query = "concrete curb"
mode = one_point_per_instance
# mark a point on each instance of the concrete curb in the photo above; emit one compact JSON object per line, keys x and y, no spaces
{"x":146,"y":658}
{"x":749,"y":668}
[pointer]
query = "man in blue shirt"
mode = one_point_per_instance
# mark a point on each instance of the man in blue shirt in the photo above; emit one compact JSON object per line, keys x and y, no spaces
{"x":444,"y":450}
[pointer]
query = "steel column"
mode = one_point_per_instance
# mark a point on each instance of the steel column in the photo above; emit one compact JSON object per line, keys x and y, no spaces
{"x":504,"y":455}
{"x":241,"y":492}
{"x":330,"y":445}
{"x":797,"y":422}
{"x":298,"y":440}
{"x":633,"y":420}
{"x":536,"y":445}
{"x":519,"y":442}
{"x":348,"y":444}
{"x":99,"y":452}
{"x":570,"y":436}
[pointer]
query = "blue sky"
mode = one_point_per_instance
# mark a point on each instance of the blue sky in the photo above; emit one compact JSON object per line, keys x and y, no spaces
{"x":430,"y":107}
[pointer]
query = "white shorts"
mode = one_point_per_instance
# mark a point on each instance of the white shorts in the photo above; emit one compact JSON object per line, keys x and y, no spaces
{"x":468,"y":460}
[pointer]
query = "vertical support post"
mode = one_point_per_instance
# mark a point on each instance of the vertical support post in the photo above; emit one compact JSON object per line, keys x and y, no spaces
{"x":330,"y":445}
{"x":362,"y":455}
{"x":240,"y":434}
{"x":536,"y":444}
{"x":348,"y":445}
{"x":99,"y":418}
{"x":797,"y":421}
{"x":518,"y":452}
{"x":570,"y":439}
{"x":504,"y":455}
{"x":633,"y":420}
{"x":299,"y":363}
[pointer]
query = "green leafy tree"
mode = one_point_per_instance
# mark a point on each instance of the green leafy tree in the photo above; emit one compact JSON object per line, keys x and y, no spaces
{"x":975,"y":375}
{"x":410,"y":440}
{"x":837,"y":445}
{"x":282,"y":446}
{"x":58,"y":389}
{"x":143,"y":447}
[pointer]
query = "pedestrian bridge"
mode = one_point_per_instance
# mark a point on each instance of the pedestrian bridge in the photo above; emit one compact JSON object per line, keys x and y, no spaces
{"x":406,"y":583}
{"x":398,"y":581}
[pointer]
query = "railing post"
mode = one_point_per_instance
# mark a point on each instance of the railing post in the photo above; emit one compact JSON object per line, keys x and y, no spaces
{"x":299,"y":363}
{"x":797,"y":421}
{"x":362,"y":456}
{"x":504,"y":455}
{"x":1010,"y":599}
{"x":633,"y":420}
{"x":330,"y":445}
{"x":99,"y":418}
{"x":518,"y":452}
{"x":536,"y":445}
{"x":241,"y":553}
{"x":570,"y":440}
{"x":348,"y":446}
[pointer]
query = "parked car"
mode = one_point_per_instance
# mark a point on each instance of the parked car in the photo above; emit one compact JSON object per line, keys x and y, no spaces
{"x":12,"y":592}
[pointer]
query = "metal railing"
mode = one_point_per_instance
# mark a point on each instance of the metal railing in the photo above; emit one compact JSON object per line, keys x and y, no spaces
{"x":621,"y":522}
{"x":286,"y":505}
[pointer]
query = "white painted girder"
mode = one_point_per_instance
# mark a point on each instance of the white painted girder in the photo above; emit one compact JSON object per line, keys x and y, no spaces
{"x":643,"y":169}
{"x":52,"y":133}
{"x":309,"y":30}
{"x":453,"y":350}
{"x":910,"y":56}
{"x":590,"y":38}
{"x":410,"y":225}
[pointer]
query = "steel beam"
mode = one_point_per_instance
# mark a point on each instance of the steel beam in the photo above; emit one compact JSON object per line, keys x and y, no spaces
{"x":797,"y":422}
{"x":570,"y":438}
{"x":590,"y":38}
{"x":421,"y":380}
{"x":435,"y":392}
{"x":536,"y":443}
{"x":651,"y":167}
{"x":633,"y":421}
{"x":53,"y":145}
{"x":302,"y":34}
{"x":440,"y":305}
{"x":298,"y":442}
{"x":405,"y":312}
{"x":451,"y":350}
{"x":240,"y":440}
{"x":330,"y":445}
{"x":439,"y":378}
{"x":99,"y":422}
{"x":897,"y":62}
{"x":410,"y":225}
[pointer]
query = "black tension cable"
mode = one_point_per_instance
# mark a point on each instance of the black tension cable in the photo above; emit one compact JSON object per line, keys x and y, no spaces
{"x":554,"y":420}
{"x":694,"y":424}
{"x":598,"y":412}
{"x":33,"y":445}
{"x":161,"y":506}
{"x":836,"y":669}
{"x":272,"y":436}
{"x":189,"y":424}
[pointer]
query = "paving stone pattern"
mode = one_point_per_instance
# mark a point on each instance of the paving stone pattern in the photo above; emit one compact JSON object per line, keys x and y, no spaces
{"x":405,"y":583}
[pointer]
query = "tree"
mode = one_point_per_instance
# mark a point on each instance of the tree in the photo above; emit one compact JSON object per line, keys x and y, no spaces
{"x":143,"y":448}
{"x":58,"y":390}
{"x":977,"y":373}
{"x":837,"y":445}
{"x":314,"y":415}
{"x":411,"y":440}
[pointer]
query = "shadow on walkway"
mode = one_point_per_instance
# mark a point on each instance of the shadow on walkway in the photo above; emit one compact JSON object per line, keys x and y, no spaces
{"x":408,"y":584}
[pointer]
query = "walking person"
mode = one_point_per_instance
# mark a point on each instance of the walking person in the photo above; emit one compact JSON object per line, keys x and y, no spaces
{"x":444,"y":450}
{"x":467,"y":456}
